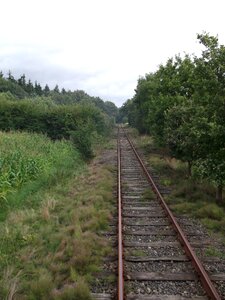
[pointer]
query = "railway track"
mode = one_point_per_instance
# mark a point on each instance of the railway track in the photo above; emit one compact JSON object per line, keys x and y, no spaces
{"x":155,"y":259}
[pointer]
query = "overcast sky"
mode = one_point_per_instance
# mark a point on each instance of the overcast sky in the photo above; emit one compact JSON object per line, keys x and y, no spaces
{"x":101,"y":46}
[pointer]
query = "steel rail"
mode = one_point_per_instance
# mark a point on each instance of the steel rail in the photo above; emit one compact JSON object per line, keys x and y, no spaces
{"x":203,"y":276}
{"x":120,"y":238}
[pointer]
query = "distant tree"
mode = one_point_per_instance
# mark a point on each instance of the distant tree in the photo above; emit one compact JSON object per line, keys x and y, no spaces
{"x":38,"y":88}
{"x":128,"y":113}
{"x":80,"y":95}
{"x":46,"y":90}
{"x":10,"y":77}
{"x":1,"y":74}
{"x":63,"y":91}
{"x":22,"y":81}
{"x":12,"y":87}
{"x":56,"y":89}
{"x":110,"y":108}
{"x":29,"y":87}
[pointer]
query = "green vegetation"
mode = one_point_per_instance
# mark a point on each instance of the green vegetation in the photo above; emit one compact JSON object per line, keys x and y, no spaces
{"x":137,"y":252}
{"x":82,"y":140}
{"x":188,"y":196}
{"x":54,"y":120}
{"x":211,"y":251}
{"x":83,"y":124}
{"x":182,"y":106}
{"x":50,"y":242}
{"x":53,"y":206}
{"x":29,"y":161}
{"x":148,"y":195}
{"x":21,"y":88}
{"x":59,"y":114}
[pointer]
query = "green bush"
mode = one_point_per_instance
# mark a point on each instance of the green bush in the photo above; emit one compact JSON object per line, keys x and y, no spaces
{"x":211,"y":211}
{"x":81,"y":139}
{"x":57,"y":121}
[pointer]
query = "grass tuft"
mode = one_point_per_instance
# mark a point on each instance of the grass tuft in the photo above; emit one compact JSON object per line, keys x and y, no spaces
{"x":9,"y":284}
{"x":79,"y":291}
{"x":210,"y":211}
{"x":42,"y":286}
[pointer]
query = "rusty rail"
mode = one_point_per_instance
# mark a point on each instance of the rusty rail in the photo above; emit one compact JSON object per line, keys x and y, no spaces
{"x":203,"y":276}
{"x":120,"y":239}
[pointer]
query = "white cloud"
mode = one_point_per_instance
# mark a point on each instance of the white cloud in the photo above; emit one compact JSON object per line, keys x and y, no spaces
{"x":101,"y":46}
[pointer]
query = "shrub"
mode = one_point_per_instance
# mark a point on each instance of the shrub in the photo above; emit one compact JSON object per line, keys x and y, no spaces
{"x":79,"y":292}
{"x":211,"y":211}
{"x":81,"y":138}
{"x":41,"y":288}
{"x":57,"y":121}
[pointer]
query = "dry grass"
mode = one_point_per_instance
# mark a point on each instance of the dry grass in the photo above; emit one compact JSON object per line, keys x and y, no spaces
{"x":9,"y":284}
{"x":58,"y":245}
{"x":47,"y":206}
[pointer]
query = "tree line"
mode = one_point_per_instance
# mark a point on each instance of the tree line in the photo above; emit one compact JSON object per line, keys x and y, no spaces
{"x":74,"y":116}
{"x":182,"y":105}
{"x":22,"y":88}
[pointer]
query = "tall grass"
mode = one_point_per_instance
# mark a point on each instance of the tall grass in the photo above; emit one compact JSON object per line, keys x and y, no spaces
{"x":27,"y":158}
{"x":50,"y":240}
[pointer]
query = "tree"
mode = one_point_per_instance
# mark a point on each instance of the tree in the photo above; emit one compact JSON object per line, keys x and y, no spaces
{"x":10,"y":77}
{"x":22,"y":81}
{"x":30,"y":87}
{"x":63,"y":91}
{"x":182,"y":105}
{"x":12,"y":87}
{"x":110,"y":108}
{"x":38,"y":88}
{"x":56,"y":89}
{"x":46,"y":90}
{"x":178,"y":133}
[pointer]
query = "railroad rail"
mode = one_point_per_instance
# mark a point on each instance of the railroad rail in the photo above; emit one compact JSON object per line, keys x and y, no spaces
{"x":203,"y":276}
{"x":156,"y":259}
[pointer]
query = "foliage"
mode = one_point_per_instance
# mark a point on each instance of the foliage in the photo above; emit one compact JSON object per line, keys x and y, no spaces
{"x":182,"y":106}
{"x":12,"y":87}
{"x":57,"y":121}
{"x":81,"y":139}
{"x":211,"y":211}
{"x":26,"y":157}
{"x":21,"y":88}
{"x":187,"y":196}
{"x":54,"y":242}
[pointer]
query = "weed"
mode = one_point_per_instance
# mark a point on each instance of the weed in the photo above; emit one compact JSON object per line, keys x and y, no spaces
{"x":166,"y":182}
{"x":211,"y":211}
{"x":42,"y":286}
{"x":214,"y":225}
{"x":183,"y":208}
{"x":53,"y":222}
{"x":148,"y":195}
{"x":211,"y":251}
{"x":78,"y":291}
{"x":9,"y":284}
{"x":111,"y":278}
